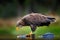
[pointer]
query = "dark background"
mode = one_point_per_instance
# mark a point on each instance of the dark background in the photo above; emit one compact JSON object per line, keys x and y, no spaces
{"x":13,"y":8}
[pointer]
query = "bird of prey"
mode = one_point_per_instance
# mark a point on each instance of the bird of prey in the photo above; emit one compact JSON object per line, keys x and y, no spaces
{"x":34,"y":20}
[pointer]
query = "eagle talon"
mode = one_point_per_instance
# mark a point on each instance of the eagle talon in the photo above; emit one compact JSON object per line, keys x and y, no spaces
{"x":28,"y":35}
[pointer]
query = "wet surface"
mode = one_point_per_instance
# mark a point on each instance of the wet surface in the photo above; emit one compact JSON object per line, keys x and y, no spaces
{"x":23,"y":37}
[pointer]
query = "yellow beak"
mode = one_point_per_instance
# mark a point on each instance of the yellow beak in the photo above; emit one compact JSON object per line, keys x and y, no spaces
{"x":17,"y":28}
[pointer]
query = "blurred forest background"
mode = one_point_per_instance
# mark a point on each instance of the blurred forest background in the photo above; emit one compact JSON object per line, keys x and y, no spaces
{"x":12,"y":10}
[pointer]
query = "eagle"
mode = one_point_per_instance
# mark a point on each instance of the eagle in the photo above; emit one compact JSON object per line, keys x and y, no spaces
{"x":34,"y":20}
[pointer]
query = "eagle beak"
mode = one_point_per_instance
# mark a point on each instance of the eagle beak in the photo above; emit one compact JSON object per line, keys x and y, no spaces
{"x":17,"y":28}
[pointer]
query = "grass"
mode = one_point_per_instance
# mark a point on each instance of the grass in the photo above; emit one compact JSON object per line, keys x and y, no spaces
{"x":53,"y":28}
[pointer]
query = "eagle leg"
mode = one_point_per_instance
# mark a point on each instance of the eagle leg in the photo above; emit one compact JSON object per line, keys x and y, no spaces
{"x":33,"y":28}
